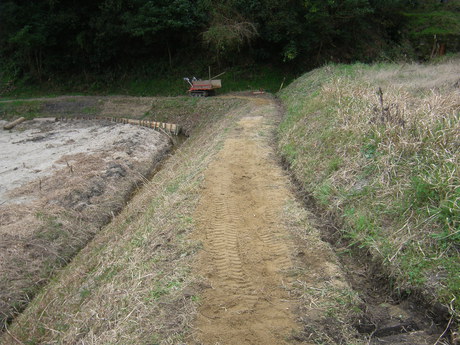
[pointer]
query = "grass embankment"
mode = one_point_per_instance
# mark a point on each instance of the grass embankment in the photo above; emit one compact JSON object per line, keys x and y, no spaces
{"x":15,"y":109}
{"x":185,"y":111}
{"x":378,"y":146}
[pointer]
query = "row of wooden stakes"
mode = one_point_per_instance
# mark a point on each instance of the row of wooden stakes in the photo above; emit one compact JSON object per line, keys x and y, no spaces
{"x":159,"y":126}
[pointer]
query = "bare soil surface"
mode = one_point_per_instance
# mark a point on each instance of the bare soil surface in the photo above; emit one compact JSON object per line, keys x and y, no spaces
{"x":241,"y":205}
{"x":41,"y":147}
{"x":260,"y":251}
{"x":59,"y":183}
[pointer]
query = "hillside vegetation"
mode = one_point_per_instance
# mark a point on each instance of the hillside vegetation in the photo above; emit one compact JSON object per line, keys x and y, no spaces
{"x":377,"y":146}
{"x":146,"y":47}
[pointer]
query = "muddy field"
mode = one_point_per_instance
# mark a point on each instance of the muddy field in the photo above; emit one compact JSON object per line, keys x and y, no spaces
{"x":59,"y":183}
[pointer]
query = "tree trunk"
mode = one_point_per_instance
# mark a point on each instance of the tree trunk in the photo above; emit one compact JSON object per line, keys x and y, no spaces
{"x":169,"y":54}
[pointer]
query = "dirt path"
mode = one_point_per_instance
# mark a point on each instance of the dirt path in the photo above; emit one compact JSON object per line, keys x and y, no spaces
{"x":246,"y":247}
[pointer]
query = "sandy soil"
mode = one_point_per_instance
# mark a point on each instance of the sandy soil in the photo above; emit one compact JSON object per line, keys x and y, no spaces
{"x":244,"y":238}
{"x":59,"y":183}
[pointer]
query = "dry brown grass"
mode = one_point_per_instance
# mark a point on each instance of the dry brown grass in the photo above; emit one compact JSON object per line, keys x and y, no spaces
{"x":416,"y":76}
{"x":328,"y":306}
{"x":407,"y":123}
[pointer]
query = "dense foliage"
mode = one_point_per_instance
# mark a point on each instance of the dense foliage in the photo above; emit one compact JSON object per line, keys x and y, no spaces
{"x":43,"y":38}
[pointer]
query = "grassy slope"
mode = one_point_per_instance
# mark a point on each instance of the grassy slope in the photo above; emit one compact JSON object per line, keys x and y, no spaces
{"x":389,"y":169}
{"x":131,"y":284}
{"x":185,"y":111}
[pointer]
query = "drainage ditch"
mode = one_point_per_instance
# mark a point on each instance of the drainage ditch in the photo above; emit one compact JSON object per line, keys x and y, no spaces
{"x":389,"y":316}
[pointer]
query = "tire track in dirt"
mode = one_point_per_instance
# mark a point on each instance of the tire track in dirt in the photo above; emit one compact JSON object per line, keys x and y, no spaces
{"x":246,"y":246}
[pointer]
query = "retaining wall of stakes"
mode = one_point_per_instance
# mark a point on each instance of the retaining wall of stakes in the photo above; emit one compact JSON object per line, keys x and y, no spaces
{"x":159,"y":126}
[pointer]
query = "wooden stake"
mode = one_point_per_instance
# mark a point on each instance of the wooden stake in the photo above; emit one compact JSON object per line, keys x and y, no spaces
{"x":14,"y":123}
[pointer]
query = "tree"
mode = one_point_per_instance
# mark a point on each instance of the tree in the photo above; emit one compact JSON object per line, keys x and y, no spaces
{"x":336,"y":24}
{"x":162,"y":23}
{"x":228,"y":32}
{"x":24,"y":36}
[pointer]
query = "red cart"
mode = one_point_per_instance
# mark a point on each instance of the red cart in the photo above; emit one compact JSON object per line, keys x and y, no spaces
{"x":204,"y":88}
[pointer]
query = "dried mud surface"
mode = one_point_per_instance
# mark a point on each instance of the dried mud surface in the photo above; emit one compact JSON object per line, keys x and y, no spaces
{"x":59,"y":183}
